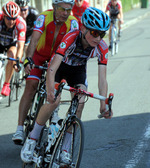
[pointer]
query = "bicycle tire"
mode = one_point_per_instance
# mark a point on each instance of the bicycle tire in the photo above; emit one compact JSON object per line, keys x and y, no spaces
{"x":42,"y":142}
{"x":116,"y":47}
{"x":12,"y":90}
{"x":2,"y":75}
{"x":76,"y":148}
{"x":19,"y":84}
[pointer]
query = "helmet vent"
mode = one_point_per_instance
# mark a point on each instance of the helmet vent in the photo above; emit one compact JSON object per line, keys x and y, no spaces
{"x":96,"y":22}
{"x":104,"y":20}
{"x":90,"y":23}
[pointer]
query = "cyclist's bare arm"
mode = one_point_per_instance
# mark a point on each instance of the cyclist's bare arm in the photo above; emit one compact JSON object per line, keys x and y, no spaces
{"x":20,"y":48}
{"x":50,"y":85}
{"x":31,"y":48}
{"x":102,"y":85}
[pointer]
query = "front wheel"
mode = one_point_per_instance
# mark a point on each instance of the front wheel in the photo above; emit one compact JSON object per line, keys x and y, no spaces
{"x":75,"y":147}
{"x":12,"y":90}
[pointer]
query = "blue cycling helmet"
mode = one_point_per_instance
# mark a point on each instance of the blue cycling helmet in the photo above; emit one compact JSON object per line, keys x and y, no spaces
{"x":95,"y":19}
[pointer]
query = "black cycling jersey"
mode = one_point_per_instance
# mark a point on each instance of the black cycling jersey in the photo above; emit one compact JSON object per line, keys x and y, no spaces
{"x":7,"y":37}
{"x":30,"y":20}
{"x":114,"y":11}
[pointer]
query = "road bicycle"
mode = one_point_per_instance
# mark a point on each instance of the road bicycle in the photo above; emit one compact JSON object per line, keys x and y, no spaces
{"x":16,"y":80}
{"x":47,"y":152}
{"x":37,"y":102}
{"x":114,"y":36}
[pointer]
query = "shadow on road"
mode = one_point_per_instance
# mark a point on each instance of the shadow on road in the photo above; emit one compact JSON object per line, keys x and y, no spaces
{"x":108,"y":143}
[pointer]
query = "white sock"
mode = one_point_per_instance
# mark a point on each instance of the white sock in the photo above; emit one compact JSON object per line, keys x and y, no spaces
{"x":35,"y":133}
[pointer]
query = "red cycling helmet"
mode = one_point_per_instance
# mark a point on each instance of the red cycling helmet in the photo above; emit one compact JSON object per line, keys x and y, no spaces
{"x":11,"y":9}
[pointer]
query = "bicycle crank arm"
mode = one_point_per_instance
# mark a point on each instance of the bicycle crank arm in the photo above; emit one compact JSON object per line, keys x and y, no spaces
{"x":37,"y":160}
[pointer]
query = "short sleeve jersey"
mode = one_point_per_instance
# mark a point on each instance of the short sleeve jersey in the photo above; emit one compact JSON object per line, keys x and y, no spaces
{"x":75,"y":55}
{"x":30,"y":20}
{"x":78,"y":11}
{"x":113,"y":10}
{"x":14,"y":34}
{"x":45,"y":24}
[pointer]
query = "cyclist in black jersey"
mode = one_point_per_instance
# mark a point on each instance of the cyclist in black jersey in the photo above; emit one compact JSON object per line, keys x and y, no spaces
{"x":30,"y":15}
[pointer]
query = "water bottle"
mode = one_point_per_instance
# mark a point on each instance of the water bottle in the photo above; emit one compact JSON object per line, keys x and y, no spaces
{"x":53,"y":129}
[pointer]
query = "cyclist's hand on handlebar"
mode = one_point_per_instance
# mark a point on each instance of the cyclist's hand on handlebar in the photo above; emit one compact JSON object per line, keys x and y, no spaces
{"x":28,"y":65}
{"x":104,"y":110}
{"x":106,"y":114}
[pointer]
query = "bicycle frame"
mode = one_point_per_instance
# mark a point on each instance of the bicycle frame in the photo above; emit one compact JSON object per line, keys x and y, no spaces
{"x":15,"y":78}
{"x":71,"y":114}
{"x":39,"y":96}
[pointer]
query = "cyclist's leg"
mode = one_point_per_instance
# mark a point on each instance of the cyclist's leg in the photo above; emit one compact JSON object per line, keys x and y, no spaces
{"x":119,"y":25}
{"x":9,"y":67}
{"x":110,"y":36}
{"x":26,"y":100}
{"x":11,"y":52}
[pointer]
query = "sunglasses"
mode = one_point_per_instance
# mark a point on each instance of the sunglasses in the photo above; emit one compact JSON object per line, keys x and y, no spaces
{"x":23,"y":9}
{"x":62,"y":9}
{"x":96,"y":33}
{"x":9,"y":18}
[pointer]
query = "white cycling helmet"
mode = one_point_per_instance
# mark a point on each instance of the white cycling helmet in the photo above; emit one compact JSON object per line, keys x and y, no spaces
{"x":22,"y":3}
{"x":63,"y":1}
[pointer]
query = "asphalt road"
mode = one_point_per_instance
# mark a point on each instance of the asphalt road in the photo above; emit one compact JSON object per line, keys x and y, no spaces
{"x":123,"y":141}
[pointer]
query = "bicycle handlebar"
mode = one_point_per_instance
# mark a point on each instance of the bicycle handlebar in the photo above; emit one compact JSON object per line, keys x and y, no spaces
{"x":40,"y":67}
{"x":2,"y":56}
{"x":62,"y":85}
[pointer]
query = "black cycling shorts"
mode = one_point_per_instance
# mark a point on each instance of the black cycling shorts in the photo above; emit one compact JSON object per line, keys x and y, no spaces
{"x":72,"y":74}
{"x":5,"y":48}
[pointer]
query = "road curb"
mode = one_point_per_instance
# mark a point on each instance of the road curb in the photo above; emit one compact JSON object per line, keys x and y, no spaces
{"x":133,"y":21}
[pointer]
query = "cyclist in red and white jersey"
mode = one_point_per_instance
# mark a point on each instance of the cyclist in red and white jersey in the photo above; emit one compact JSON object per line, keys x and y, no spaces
{"x":12,"y":38}
{"x":115,"y":11}
{"x":79,"y":8}
{"x":50,"y":27}
{"x":69,"y":63}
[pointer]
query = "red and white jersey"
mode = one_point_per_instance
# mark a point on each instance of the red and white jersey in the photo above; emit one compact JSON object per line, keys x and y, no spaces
{"x":75,"y":55}
{"x":17,"y":33}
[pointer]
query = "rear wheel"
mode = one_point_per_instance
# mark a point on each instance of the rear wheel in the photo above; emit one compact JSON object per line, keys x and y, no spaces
{"x":74,"y":127}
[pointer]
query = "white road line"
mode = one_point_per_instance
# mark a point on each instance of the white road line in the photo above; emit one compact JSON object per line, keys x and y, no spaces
{"x":139,"y":149}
